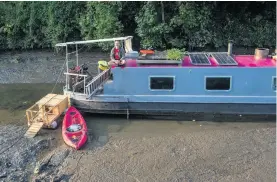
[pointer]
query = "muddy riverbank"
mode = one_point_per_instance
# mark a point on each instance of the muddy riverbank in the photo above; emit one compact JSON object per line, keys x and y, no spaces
{"x":42,"y":66}
{"x":118,"y":149}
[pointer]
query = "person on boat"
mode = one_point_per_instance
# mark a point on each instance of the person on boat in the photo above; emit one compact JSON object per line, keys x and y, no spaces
{"x":117,"y":55}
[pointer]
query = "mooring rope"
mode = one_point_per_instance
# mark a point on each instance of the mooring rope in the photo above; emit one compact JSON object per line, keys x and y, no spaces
{"x":58,"y":77}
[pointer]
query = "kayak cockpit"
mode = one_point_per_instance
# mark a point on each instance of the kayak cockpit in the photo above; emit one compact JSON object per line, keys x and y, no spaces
{"x":74,"y":128}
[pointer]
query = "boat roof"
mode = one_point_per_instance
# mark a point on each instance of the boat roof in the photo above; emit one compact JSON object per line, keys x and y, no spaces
{"x":92,"y":41}
{"x":242,"y":61}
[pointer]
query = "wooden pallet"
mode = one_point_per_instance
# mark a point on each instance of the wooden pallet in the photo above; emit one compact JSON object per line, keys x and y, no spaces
{"x":33,"y":130}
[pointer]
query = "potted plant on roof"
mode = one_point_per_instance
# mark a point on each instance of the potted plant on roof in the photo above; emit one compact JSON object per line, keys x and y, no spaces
{"x":175,"y":54}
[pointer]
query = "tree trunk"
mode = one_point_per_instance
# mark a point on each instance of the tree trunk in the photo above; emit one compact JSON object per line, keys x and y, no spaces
{"x":162,"y":6}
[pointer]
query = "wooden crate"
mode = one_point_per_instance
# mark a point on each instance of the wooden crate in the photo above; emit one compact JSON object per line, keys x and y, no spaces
{"x":47,"y":109}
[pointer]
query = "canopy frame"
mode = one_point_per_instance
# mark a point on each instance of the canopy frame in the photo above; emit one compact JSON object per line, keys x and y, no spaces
{"x":93,"y":41}
{"x":127,"y":43}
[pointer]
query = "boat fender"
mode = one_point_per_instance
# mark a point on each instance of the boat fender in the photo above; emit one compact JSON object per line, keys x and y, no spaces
{"x":103,"y":65}
{"x":54,"y":125}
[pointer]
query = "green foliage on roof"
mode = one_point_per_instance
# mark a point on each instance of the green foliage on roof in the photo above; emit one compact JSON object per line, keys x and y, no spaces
{"x":174,"y":54}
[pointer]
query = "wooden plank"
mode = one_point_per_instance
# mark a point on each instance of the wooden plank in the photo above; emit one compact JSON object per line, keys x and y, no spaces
{"x":34,"y":127}
{"x":28,"y":117}
{"x":53,"y":102}
{"x":33,"y":130}
{"x":31,"y":108}
{"x":61,"y":97}
{"x":52,"y":117}
{"x":56,"y":100}
{"x":46,"y":99}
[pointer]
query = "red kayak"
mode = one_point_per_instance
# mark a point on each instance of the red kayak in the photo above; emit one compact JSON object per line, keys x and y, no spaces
{"x":74,"y":129}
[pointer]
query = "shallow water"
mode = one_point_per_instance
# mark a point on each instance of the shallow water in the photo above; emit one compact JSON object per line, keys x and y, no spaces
{"x":16,"y":98}
{"x":23,"y":95}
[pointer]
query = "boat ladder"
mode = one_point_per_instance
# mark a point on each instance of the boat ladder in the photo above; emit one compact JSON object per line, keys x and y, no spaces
{"x":97,"y":82}
{"x":33,"y":129}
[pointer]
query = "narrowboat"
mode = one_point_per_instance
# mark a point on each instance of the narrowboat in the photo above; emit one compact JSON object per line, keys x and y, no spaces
{"x":200,"y":82}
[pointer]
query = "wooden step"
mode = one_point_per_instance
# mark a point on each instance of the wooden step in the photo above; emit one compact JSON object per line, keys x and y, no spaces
{"x":33,"y":129}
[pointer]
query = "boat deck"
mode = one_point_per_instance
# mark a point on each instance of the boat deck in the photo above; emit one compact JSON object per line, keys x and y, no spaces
{"x":241,"y":60}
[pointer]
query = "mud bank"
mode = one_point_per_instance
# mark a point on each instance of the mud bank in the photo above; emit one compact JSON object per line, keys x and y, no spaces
{"x":42,"y":66}
{"x":21,"y":156}
{"x":199,"y":156}
{"x":145,"y":151}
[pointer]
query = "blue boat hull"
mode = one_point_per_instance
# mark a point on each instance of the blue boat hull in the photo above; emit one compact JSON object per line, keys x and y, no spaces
{"x":133,"y":91}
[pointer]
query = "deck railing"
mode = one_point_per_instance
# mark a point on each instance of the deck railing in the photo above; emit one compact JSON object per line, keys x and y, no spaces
{"x":93,"y":86}
{"x":69,"y":84}
{"x":81,"y":84}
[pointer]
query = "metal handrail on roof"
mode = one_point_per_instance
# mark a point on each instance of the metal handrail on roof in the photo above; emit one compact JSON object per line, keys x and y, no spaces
{"x":92,"y":41}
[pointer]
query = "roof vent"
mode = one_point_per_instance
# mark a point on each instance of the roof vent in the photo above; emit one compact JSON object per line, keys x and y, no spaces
{"x":261,"y":53}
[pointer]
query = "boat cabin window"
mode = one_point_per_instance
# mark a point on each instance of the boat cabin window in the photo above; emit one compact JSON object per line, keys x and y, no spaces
{"x":161,"y":83}
{"x":274,"y":84}
{"x":218,"y":83}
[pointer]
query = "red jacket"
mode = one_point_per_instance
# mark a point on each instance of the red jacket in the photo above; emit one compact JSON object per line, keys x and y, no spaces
{"x":121,"y":54}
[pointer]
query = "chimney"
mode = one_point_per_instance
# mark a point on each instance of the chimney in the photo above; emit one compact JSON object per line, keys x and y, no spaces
{"x":261,"y":53}
{"x":230,"y":48}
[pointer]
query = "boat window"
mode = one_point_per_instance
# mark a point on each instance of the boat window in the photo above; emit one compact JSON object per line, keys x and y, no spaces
{"x":161,"y":83}
{"x":274,"y":84}
{"x":218,"y":83}
{"x":74,"y":128}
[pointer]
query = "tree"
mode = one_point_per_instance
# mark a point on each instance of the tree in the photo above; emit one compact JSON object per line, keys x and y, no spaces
{"x":162,"y":24}
{"x":101,"y":21}
{"x":62,"y":22}
{"x":150,"y":28}
{"x":14,"y":28}
{"x":192,"y":24}
{"x":246,"y":26}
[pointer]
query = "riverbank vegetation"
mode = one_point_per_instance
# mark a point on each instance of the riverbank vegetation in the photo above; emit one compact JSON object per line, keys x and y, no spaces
{"x":158,"y":25}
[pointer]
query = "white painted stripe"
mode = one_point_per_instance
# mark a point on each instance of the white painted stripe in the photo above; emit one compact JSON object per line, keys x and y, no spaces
{"x":239,"y":96}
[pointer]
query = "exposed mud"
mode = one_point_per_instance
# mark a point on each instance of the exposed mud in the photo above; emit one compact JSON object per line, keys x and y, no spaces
{"x":42,"y":67}
{"x":144,"y":150}
{"x":19,"y":155}
{"x":221,"y":155}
